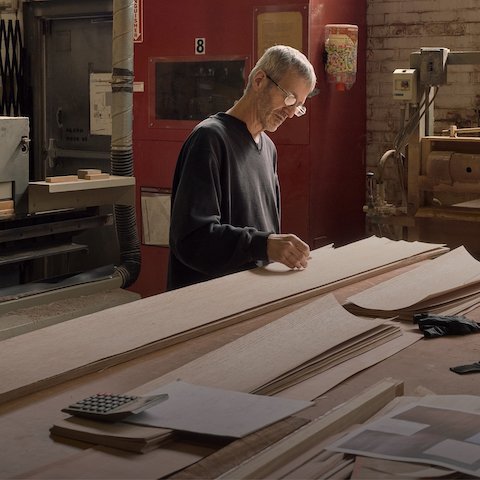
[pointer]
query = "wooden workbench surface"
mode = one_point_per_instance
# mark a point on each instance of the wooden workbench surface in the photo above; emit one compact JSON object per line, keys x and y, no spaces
{"x":25,"y":443}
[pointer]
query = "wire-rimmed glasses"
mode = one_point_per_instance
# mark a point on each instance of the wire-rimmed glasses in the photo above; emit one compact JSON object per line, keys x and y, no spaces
{"x":290,"y":99}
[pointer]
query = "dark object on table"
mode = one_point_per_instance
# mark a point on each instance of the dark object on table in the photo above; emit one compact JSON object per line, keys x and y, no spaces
{"x":438,"y":325}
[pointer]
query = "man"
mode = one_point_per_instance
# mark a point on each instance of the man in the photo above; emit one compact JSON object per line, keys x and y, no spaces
{"x":226,"y":200}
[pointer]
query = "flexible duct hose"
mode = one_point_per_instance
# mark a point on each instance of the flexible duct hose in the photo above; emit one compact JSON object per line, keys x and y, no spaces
{"x":121,"y":149}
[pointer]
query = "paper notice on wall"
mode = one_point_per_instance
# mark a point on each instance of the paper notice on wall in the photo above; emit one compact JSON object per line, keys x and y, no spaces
{"x":155,"y":216}
{"x":100,"y":104}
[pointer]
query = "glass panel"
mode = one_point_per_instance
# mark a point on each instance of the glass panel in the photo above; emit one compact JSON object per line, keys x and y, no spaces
{"x":194,"y":90}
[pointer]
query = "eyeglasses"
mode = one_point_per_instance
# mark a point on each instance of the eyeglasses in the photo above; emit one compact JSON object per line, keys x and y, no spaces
{"x":290,"y":99}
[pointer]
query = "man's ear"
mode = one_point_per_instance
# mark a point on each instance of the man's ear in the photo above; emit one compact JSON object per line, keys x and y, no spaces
{"x":259,"y":78}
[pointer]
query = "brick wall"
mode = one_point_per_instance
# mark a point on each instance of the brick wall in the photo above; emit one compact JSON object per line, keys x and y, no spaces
{"x":395,"y":29}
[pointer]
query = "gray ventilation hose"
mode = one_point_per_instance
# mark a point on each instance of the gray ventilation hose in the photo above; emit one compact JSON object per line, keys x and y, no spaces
{"x":121,"y":148}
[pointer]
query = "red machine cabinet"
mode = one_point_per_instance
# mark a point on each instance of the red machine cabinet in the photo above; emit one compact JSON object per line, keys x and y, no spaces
{"x":321,"y":155}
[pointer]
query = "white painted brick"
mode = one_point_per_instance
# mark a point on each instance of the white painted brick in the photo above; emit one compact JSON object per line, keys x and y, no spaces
{"x":386,"y":89}
{"x":373,"y":89}
{"x":446,"y":15}
{"x":376,"y":19}
{"x":473,"y":28}
{"x":407,"y":18}
{"x":409,"y":6}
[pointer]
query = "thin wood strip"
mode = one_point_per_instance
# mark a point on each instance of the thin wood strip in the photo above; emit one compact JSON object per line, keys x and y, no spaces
{"x":356,"y":410}
{"x":341,"y":473}
{"x":313,"y":468}
{"x":317,"y":453}
{"x":240,"y":450}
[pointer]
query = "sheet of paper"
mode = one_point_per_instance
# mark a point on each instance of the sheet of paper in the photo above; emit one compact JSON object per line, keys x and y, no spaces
{"x":214,"y":411}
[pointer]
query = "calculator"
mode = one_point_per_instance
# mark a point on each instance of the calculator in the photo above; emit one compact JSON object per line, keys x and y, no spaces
{"x":110,"y":407}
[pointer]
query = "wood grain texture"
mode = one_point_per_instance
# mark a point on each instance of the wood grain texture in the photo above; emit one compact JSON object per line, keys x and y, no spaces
{"x":68,"y":350}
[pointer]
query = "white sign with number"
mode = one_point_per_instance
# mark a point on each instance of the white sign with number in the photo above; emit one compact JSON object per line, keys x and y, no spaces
{"x":200,"y":46}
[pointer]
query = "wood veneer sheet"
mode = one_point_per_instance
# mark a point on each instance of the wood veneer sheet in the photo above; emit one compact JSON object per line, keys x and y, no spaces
{"x":127,"y":331}
{"x":261,"y":356}
{"x":347,"y":350}
{"x":453,"y":271}
{"x":321,"y":383}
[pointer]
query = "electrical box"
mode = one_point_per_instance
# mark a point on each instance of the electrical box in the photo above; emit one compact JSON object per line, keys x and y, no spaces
{"x":433,"y":66}
{"x":405,"y":84}
{"x":14,"y":167}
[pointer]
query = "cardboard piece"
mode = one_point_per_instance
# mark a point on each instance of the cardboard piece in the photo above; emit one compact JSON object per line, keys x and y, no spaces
{"x":214,"y":411}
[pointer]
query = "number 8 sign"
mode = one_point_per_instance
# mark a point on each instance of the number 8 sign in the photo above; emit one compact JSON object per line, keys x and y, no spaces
{"x":200,"y":46}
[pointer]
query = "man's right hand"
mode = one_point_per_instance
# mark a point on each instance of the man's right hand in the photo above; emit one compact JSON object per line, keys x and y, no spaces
{"x":288,"y":249}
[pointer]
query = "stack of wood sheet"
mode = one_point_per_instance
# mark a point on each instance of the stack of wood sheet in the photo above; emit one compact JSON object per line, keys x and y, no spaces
{"x":106,"y":338}
{"x":309,"y":340}
{"x":133,"y":438}
{"x":449,"y":284}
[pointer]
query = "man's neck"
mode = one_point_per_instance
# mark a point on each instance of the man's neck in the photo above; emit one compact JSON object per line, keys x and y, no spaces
{"x":244,"y":112}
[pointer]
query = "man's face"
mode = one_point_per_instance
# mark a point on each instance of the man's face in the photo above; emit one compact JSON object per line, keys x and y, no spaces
{"x":272,"y":110}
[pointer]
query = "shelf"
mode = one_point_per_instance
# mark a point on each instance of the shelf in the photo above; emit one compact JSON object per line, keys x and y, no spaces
{"x":45,"y":196}
{"x":16,"y":256}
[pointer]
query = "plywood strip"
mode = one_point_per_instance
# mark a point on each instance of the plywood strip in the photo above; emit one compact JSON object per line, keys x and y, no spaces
{"x":240,"y":450}
{"x":356,"y":410}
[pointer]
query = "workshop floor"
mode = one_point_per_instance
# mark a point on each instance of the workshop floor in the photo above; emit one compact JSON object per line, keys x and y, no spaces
{"x":25,"y":319}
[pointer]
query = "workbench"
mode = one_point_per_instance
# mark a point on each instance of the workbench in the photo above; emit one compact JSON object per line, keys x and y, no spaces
{"x":25,"y":443}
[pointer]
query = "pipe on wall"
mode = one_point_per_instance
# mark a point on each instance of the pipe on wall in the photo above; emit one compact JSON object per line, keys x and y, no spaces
{"x":121,"y":146}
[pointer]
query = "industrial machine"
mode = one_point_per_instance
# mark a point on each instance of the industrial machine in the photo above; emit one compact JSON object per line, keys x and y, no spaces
{"x":192,"y":59}
{"x":438,"y":175}
{"x":67,"y":192}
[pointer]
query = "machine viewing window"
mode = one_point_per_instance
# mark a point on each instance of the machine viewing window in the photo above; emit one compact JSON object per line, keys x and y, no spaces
{"x":192,"y":90}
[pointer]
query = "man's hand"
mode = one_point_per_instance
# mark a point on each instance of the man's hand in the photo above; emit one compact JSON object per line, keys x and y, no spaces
{"x":288,"y":249}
